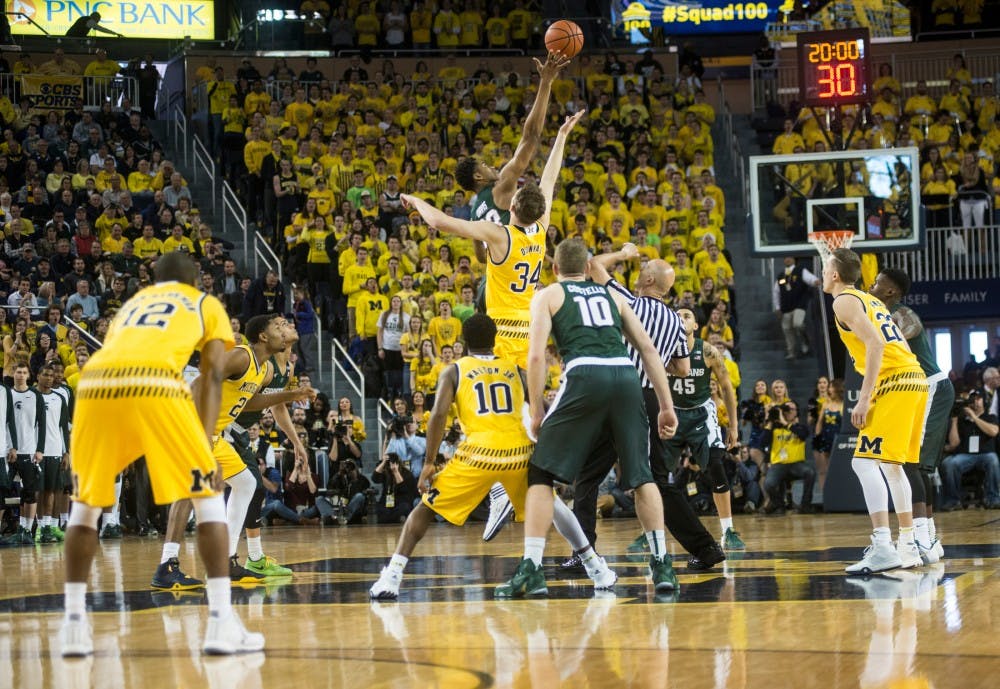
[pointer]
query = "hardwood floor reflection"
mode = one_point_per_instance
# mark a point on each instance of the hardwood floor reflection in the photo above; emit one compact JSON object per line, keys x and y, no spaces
{"x":782,"y":615}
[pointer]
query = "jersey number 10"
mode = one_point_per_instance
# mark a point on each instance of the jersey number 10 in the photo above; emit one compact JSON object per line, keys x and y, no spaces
{"x":595,"y":312}
{"x":495,"y":398}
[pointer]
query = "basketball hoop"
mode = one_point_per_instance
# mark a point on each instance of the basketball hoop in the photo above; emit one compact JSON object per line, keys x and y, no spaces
{"x":826,"y":241}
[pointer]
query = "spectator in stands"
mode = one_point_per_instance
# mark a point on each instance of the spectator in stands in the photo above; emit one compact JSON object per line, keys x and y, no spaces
{"x":399,"y":490}
{"x":972,"y":440}
{"x":83,"y":298}
{"x":266,"y":295}
{"x":403,"y":441}
{"x":349,"y":484}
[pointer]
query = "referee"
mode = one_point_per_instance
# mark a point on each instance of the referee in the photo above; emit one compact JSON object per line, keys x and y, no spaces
{"x":667,"y":333}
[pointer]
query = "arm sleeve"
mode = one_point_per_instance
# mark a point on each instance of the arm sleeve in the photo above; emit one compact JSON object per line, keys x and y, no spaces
{"x":40,"y":422}
{"x":11,"y":426}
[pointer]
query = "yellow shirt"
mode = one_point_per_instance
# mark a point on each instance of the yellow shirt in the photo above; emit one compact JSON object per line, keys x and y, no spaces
{"x":896,"y":356}
{"x":237,"y":392}
{"x":368,"y":308}
{"x":161,"y":326}
{"x":444,"y":331}
{"x":317,"y":245}
{"x":146,"y":248}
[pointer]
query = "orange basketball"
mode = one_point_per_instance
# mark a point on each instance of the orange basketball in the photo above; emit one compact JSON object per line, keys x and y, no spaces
{"x":564,"y":37}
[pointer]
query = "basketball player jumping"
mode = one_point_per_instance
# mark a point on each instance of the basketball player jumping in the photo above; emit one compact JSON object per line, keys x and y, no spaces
{"x":493,"y":201}
{"x":889,"y":412}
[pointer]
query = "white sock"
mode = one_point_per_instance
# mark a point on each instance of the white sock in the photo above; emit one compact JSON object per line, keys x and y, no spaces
{"x":254,"y":549}
{"x":64,"y":517}
{"x":533,"y":549}
{"x":906,"y":535}
{"x":882,"y":535}
{"x":220,"y":601}
{"x":118,"y":497}
{"x":591,"y":561}
{"x":75,"y":596}
{"x":657,"y":543}
{"x":727,"y":523}
{"x":170,"y":550}
{"x":931,"y":530}
{"x":920,"y":531}
{"x":24,"y":523}
{"x":110,"y":518}
{"x":398,"y":562}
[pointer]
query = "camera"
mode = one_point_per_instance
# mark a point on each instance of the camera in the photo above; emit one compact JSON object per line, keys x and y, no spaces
{"x":399,"y":424}
{"x":453,"y":435}
{"x":774,"y":414}
{"x":340,"y":431}
{"x":959,"y":406}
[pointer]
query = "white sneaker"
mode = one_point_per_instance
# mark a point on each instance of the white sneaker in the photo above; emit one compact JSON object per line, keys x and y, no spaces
{"x":500,"y":510}
{"x":938,"y":548}
{"x":225,"y":636}
{"x":75,"y":638}
{"x":909,"y":554}
{"x":387,"y":586}
{"x":392,"y":619}
{"x":604,"y":577}
{"x":877,"y":558}
{"x":927,"y":554}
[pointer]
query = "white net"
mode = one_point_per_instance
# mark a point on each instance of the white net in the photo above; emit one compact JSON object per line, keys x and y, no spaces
{"x":829,"y":240}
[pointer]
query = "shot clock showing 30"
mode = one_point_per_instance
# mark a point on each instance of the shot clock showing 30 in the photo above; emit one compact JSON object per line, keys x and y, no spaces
{"x":834,"y":67}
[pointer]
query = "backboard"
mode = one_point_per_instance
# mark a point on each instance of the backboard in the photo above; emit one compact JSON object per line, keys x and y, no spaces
{"x":875,"y":193}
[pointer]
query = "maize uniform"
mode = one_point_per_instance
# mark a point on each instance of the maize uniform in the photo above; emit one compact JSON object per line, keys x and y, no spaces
{"x":134,"y":383}
{"x":236,"y":392}
{"x":496,"y":449}
{"x":510,"y":285}
{"x":899,"y":399}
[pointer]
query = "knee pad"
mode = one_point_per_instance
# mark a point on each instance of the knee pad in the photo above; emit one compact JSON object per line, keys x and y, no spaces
{"x":252,"y":520}
{"x":210,"y":509}
{"x":29,"y":497}
{"x":917,"y":490}
{"x":716,"y":471}
{"x":540,"y":477}
{"x":84,"y":515}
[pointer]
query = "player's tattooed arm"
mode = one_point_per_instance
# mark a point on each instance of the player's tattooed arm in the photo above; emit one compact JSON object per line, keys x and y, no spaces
{"x":908,"y":322}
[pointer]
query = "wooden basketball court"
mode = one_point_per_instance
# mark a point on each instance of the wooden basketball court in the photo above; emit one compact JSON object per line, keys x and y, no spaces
{"x":782,"y":615}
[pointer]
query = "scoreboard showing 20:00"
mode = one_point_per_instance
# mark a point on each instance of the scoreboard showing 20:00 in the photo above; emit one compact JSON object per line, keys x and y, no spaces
{"x":834,"y":67}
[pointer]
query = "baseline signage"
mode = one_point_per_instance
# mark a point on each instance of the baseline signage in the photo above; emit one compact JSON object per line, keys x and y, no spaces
{"x":954,"y":299}
{"x":697,"y":16}
{"x":139,"y":19}
{"x":43,"y":93}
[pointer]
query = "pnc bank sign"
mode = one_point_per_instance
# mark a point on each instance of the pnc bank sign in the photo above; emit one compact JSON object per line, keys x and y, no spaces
{"x":141,"y":18}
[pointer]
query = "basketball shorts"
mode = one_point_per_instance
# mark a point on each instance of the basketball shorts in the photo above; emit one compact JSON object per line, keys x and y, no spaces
{"x":896,"y":419}
{"x":5,"y":471}
{"x":117,"y":421}
{"x":228,"y":458}
{"x":937,"y":419}
{"x":29,"y":473}
{"x":697,"y":429}
{"x":52,"y":473}
{"x":466,"y":480}
{"x":601,"y":397}
{"x":512,"y":340}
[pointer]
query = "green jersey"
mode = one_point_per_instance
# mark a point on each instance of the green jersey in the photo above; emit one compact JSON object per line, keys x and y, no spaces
{"x":278,"y":383}
{"x":484,"y":207}
{"x":588,"y":323}
{"x":692,"y":391}
{"x":921,"y":347}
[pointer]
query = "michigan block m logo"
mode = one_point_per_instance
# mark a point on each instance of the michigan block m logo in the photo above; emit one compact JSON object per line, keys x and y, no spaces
{"x":872,"y":446}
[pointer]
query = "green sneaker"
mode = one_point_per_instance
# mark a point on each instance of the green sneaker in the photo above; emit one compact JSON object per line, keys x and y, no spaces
{"x":23,"y":537}
{"x":639,"y":545}
{"x":663,"y":575}
{"x":528,"y":580}
{"x":731,"y":540}
{"x":58,"y":533}
{"x":46,"y":535}
{"x":268,"y":567}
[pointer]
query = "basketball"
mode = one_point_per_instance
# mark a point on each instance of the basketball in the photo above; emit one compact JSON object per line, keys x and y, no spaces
{"x":564,"y":37}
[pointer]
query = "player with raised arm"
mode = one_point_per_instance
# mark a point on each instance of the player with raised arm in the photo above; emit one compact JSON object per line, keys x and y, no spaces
{"x":136,"y":379}
{"x":601,"y":396}
{"x":889,"y":411}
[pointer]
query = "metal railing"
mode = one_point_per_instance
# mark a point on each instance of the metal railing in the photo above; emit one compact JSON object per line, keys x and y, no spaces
{"x":350,"y":373}
{"x":263,"y":253}
{"x":178,"y":126}
{"x":203,"y":165}
{"x":381,"y":424}
{"x":952,"y":253}
{"x":319,"y":346}
{"x":235,"y":215}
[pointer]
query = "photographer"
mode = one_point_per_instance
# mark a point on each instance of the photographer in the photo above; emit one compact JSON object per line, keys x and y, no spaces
{"x":274,"y":506}
{"x":452,"y":439}
{"x":972,"y":439}
{"x":349,"y":485}
{"x":300,"y":490}
{"x":342,"y":443}
{"x":788,"y":458}
{"x":404,"y":442}
{"x":399,"y":489}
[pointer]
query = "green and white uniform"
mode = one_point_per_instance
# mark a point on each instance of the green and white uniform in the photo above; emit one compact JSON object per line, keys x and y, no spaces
{"x":601,"y":395}
{"x":940,"y":400}
{"x":484,"y":207}
{"x":697,"y":417}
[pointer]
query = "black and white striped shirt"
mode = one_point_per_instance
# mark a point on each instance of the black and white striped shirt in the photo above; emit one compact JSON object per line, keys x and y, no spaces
{"x":661,"y":323}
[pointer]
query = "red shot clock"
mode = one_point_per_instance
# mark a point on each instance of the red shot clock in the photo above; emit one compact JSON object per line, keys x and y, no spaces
{"x":834,"y":67}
